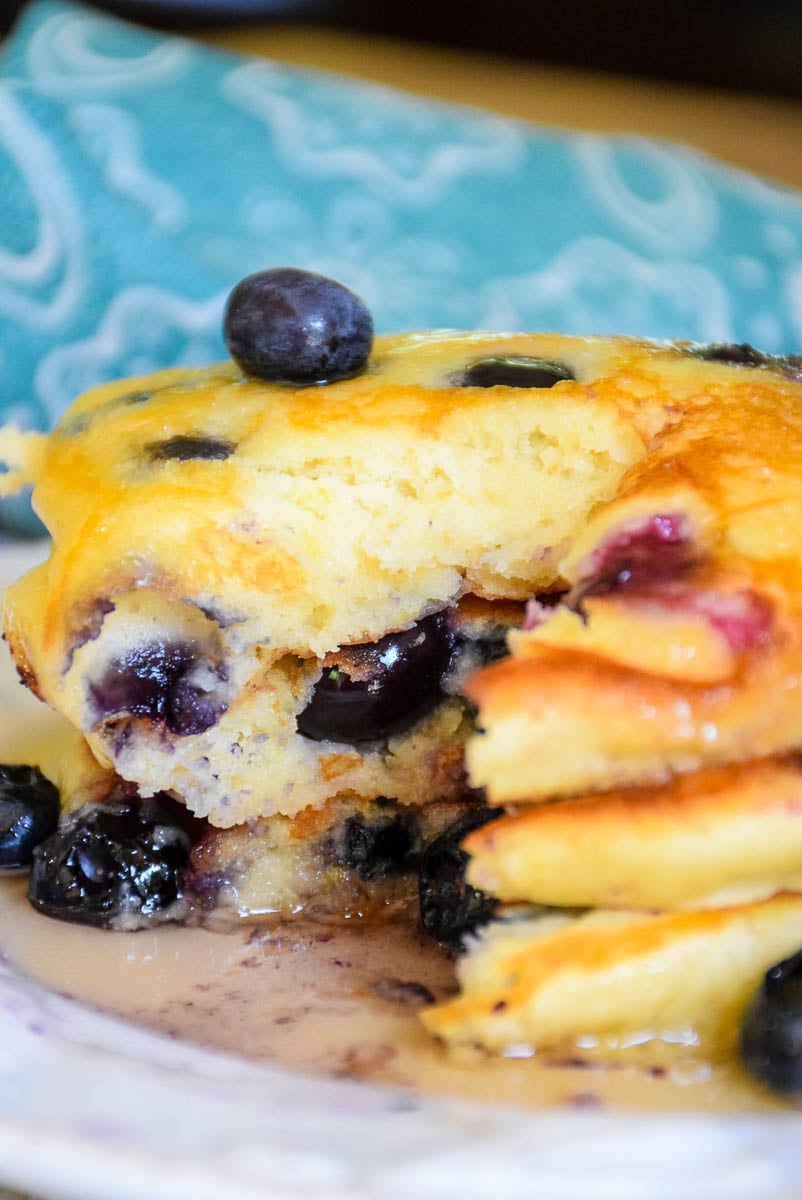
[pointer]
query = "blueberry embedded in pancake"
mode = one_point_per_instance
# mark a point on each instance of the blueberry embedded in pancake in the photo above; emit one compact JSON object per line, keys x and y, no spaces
{"x":351,"y":859}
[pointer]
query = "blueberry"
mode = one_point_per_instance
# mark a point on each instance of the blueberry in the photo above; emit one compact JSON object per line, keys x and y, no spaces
{"x":296,"y":327}
{"x":154,"y":681}
{"x":185,"y":447}
{"x":380,"y":847}
{"x":381,"y":688}
{"x":29,"y":808}
{"x":516,"y":372}
{"x":450,"y":907}
{"x":741,"y":354}
{"x":118,"y":862}
{"x":771,"y":1034}
{"x":735,"y":354}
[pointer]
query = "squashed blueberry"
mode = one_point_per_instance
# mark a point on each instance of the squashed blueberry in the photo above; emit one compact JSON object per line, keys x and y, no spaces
{"x":155,"y":681}
{"x":119,"y":862}
{"x":29,"y":808}
{"x":379,"y":847}
{"x":450,"y":907}
{"x":734,"y":354}
{"x":293,"y":326}
{"x":515,"y":372}
{"x":184,"y":448}
{"x":655,"y":549}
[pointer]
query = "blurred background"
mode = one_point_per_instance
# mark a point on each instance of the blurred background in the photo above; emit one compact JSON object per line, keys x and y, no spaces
{"x":747,"y":45}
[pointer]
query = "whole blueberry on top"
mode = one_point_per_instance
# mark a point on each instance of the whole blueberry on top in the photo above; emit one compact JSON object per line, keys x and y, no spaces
{"x":293,"y":326}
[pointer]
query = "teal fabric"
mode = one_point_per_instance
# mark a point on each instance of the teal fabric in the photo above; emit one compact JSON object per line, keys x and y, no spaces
{"x":142,"y":175}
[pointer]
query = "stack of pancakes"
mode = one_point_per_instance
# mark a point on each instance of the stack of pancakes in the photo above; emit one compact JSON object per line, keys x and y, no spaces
{"x":642,"y":740}
{"x":223,"y":545}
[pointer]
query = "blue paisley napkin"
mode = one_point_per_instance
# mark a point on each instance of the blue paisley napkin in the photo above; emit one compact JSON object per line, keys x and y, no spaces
{"x":142,"y":175}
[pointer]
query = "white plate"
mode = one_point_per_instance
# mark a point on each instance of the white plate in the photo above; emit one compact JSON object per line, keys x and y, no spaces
{"x":92,"y":1108}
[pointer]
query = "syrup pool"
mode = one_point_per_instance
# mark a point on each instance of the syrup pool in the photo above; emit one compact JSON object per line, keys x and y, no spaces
{"x":337,"y":1002}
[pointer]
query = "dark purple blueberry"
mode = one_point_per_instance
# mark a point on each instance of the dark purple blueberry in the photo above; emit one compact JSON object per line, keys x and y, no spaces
{"x":735,"y":354}
{"x":450,"y":907}
{"x":516,"y":372}
{"x":155,"y":682}
{"x":380,"y":688}
{"x":380,"y":846}
{"x":294,"y":326}
{"x":115,"y":863}
{"x":29,"y":808}
{"x":741,"y":354}
{"x":771,"y":1034}
{"x":183,"y":448}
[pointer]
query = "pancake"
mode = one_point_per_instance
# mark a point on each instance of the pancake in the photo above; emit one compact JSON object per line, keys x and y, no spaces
{"x":229,"y":536}
{"x":609,"y":980}
{"x":711,"y":838}
{"x":264,"y":598}
{"x":680,"y":641}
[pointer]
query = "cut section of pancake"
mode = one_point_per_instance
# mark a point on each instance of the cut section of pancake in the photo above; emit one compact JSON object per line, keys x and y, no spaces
{"x":615,"y":978}
{"x":349,"y":860}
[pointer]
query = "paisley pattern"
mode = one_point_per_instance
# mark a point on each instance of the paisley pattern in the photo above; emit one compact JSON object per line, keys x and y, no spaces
{"x":117,"y":250}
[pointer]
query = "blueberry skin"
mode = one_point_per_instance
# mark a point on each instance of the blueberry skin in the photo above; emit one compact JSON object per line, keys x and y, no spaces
{"x":186,"y":448}
{"x":450,"y":907}
{"x":771,"y":1033}
{"x":29,"y":809}
{"x":119,"y":860}
{"x":733,"y":354}
{"x":292,"y":326}
{"x":400,"y":682}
